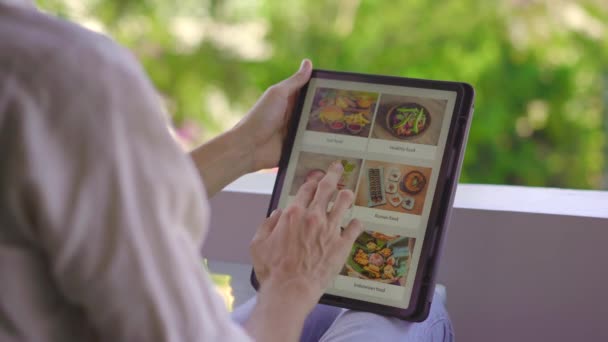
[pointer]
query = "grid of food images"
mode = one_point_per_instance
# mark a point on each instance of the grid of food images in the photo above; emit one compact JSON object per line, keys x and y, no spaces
{"x":409,"y":119}
{"x":342,"y":112}
{"x":310,"y":164}
{"x":377,"y":170}
{"x":380,"y":257}
{"x":394,"y":187}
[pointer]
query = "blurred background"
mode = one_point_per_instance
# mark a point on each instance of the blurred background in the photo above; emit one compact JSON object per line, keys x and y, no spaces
{"x":540,"y":67}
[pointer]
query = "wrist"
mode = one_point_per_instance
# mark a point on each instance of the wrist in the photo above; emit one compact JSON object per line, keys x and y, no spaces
{"x":297,"y":292}
{"x":221,"y":161}
{"x":279,"y":313}
{"x":243,"y":146}
{"x":239,"y":148}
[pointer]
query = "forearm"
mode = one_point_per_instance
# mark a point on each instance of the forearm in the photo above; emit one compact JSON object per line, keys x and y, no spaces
{"x":279,"y":314}
{"x":222,"y":160}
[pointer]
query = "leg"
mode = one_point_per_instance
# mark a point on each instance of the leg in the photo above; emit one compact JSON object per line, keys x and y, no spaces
{"x":363,"y":326}
{"x":316,"y":324}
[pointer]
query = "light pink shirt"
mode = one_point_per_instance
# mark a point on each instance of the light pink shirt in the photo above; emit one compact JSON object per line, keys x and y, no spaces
{"x":101,"y":213}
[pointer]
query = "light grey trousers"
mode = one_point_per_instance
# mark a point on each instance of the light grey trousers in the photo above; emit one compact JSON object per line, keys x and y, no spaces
{"x":328,"y":323}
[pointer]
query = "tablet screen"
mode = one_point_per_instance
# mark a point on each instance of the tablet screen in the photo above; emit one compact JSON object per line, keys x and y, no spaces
{"x":390,"y":140}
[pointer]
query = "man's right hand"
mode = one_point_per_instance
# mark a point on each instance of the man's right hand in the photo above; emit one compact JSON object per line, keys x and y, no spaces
{"x":298,"y":251}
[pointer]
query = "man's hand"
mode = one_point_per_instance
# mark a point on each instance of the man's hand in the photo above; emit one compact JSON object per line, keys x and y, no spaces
{"x":256,"y":141}
{"x":304,"y":242}
{"x":297,"y":252}
{"x":265,"y":126}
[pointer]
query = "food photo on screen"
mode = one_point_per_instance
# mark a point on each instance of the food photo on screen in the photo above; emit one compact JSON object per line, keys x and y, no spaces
{"x":315,"y":164}
{"x":409,"y":119}
{"x":380,"y":257}
{"x":393,"y":187}
{"x":342,"y":112}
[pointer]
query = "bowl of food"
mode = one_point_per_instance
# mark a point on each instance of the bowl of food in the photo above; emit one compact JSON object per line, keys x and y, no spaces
{"x":337,"y":126}
{"x":413,"y":182}
{"x":354,"y":128}
{"x":407,"y":120}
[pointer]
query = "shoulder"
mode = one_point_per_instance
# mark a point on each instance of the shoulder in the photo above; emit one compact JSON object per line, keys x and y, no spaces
{"x":29,"y":38}
{"x":73,"y":81}
{"x":53,"y":58}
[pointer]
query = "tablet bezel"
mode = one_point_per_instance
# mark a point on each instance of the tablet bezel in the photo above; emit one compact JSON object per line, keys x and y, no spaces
{"x":449,"y":172}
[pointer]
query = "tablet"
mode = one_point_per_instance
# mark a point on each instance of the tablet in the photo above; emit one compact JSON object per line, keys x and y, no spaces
{"x":401,"y":142}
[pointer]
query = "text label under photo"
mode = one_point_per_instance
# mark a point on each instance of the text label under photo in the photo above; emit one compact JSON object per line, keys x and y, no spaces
{"x":369,"y":287}
{"x":387,"y":217}
{"x":334,"y":141}
{"x":402,"y":149}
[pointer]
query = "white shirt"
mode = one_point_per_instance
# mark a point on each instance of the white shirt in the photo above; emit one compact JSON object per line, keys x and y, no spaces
{"x":101,"y":213}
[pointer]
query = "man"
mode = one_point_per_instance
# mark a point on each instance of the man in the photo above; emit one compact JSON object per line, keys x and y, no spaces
{"x":101,"y":214}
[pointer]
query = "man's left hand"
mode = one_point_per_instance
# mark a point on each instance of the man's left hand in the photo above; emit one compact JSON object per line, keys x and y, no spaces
{"x":265,"y":126}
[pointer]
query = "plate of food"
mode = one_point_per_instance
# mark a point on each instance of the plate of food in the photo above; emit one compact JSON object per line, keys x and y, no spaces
{"x":342,"y":111}
{"x":413,"y":182}
{"x":394,"y":174}
{"x":407,"y":120}
{"x":408,"y":202}
{"x":391,"y":187}
{"x":373,"y":257}
{"x":395,"y":200}
{"x":375,"y":181}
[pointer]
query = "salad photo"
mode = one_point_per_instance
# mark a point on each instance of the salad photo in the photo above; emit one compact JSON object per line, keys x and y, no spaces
{"x":342,"y":112}
{"x":379,"y":257}
{"x":409,"y":119}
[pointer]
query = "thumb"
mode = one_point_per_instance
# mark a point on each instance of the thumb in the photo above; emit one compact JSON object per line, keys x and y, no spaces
{"x":299,"y":79}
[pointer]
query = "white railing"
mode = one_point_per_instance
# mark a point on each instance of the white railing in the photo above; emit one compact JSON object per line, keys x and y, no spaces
{"x":520,"y":263}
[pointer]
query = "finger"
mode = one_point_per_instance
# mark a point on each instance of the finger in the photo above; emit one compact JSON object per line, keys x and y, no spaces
{"x":315,"y":175}
{"x":306,"y":193}
{"x":292,"y":217}
{"x":351,"y":232}
{"x":299,"y":79}
{"x":328,"y":185}
{"x":343,"y":201}
{"x":268,"y":225}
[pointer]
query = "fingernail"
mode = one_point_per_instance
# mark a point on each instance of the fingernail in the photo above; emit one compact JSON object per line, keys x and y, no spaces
{"x":338,"y":166}
{"x":275,"y":212}
{"x":303,"y":64}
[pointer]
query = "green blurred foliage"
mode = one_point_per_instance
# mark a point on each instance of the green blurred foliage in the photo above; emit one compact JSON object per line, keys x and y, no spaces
{"x":537,"y":66}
